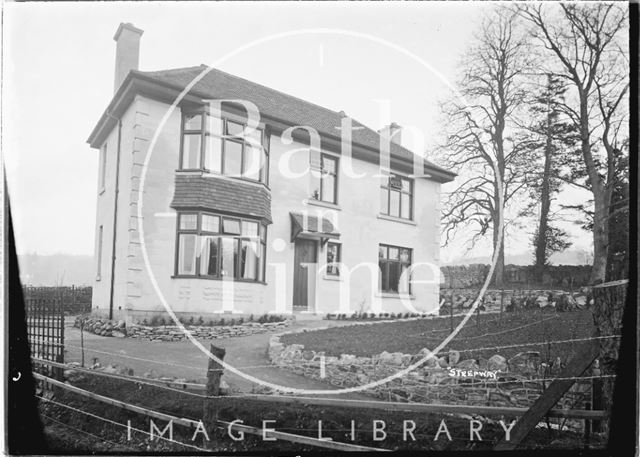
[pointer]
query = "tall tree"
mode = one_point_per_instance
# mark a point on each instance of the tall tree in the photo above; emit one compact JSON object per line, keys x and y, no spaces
{"x":483,"y":141}
{"x":584,"y":40}
{"x":551,"y":135}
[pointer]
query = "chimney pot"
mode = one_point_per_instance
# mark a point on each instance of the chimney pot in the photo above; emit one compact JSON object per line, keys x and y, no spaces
{"x":127,"y":40}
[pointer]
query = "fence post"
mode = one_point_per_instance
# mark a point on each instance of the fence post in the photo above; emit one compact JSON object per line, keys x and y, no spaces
{"x":451,"y":310}
{"x":596,"y":394}
{"x":82,"y":342}
{"x":587,"y":427}
{"x":214,"y":373}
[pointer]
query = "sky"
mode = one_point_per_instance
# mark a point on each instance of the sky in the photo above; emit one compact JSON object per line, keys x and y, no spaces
{"x":58,"y":71}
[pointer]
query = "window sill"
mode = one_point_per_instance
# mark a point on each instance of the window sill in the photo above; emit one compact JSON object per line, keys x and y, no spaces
{"x":322,"y":204}
{"x":394,"y":295}
{"x":246,"y":281}
{"x":101,"y":191}
{"x":332,"y":278}
{"x":396,"y":219}
{"x":211,"y":174}
{"x":98,"y":278}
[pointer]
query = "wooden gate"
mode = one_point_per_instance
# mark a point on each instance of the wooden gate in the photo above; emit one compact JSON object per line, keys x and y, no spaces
{"x":45,"y":329}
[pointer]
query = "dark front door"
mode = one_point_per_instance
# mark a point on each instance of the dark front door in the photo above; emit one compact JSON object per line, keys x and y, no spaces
{"x":305,"y":253}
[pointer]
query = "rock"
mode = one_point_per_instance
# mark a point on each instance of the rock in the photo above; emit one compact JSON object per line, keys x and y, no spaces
{"x":443,"y":362}
{"x":454,"y":357}
{"x":497,"y":363}
{"x":525,"y":362}
{"x":110,"y":369}
{"x":468,"y":364}
{"x":542,"y":301}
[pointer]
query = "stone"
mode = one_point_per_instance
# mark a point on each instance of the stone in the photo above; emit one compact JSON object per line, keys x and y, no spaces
{"x":468,"y":364}
{"x":454,"y":357}
{"x":443,"y":362}
{"x":497,"y":363}
{"x":118,"y":334}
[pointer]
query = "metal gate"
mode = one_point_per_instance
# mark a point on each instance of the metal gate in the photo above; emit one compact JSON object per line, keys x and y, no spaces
{"x":45,"y":329}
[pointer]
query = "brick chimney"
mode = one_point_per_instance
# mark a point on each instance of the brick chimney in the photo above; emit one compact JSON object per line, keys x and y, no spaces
{"x":127,"y":40}
{"x":393,"y":132}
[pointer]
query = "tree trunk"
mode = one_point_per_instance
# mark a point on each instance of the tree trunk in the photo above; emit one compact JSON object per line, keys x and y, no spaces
{"x":498,"y":272}
{"x":600,"y":238}
{"x":545,"y":205}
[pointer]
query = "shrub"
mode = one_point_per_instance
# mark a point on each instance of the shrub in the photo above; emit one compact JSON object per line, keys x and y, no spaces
{"x":240,"y":321}
{"x":328,"y":316}
{"x":354,"y":316}
{"x":200,"y":321}
{"x":191,"y":320}
{"x":221,"y":321}
{"x":144,"y":321}
{"x":392,"y":315}
{"x":210,"y":323}
{"x":162,"y":321}
{"x":262,"y":319}
{"x":154,"y":321}
{"x":251,"y":318}
{"x":232,"y":322}
{"x":386,"y":315}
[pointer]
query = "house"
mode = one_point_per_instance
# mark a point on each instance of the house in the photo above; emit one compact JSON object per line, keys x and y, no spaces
{"x":320,"y":225}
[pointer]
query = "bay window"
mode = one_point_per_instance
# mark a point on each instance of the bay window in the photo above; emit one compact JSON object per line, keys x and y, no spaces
{"x":396,"y":196}
{"x":218,"y":145}
{"x":216,"y":246}
{"x":394,"y":261}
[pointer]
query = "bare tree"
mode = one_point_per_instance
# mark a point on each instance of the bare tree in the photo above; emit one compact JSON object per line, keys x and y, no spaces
{"x":584,"y":40}
{"x":483,"y":143}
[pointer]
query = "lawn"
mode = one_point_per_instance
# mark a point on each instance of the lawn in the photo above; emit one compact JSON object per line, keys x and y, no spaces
{"x":478,"y":338}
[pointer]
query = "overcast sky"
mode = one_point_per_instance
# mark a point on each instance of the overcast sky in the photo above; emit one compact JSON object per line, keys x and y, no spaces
{"x":59,"y":69}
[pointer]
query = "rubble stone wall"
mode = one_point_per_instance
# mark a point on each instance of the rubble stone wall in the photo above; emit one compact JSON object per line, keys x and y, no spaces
{"x":106,"y":327}
{"x":516,"y":382}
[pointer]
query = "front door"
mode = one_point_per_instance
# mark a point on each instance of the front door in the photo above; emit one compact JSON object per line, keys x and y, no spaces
{"x":305,"y":258}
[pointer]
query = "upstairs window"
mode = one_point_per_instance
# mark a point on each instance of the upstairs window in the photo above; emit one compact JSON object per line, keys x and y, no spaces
{"x":215,"y":246}
{"x":396,"y":197}
{"x":393,"y":262}
{"x":218,"y":146}
{"x":324,"y":179}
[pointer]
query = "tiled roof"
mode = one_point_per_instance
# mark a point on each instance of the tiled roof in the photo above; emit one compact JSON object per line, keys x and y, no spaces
{"x":217,"y":84}
{"x":224,"y":195}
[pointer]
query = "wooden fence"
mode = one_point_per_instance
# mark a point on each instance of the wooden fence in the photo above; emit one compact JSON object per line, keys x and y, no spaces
{"x":75,"y":300}
{"x":45,"y":330}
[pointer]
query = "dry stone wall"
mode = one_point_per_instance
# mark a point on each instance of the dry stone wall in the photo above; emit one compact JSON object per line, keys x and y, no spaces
{"x":446,"y":379}
{"x":106,"y":327}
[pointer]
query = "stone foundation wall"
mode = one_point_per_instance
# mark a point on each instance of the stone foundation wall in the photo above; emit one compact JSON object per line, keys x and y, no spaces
{"x":106,"y":327}
{"x":446,"y":379}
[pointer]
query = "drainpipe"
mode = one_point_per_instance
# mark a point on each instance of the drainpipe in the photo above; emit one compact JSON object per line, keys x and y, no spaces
{"x":115,"y":216}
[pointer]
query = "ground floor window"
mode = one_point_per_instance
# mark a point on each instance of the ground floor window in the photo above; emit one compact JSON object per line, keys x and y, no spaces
{"x":334,"y":257}
{"x":215,"y":246}
{"x":393,"y":262}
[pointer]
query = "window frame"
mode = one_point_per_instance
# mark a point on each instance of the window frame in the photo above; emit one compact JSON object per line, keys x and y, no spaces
{"x":261,"y":239}
{"x":263,"y":175}
{"x":338,"y":260}
{"x":388,"y":261}
{"x":335,"y":174}
{"x":386,"y":186}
